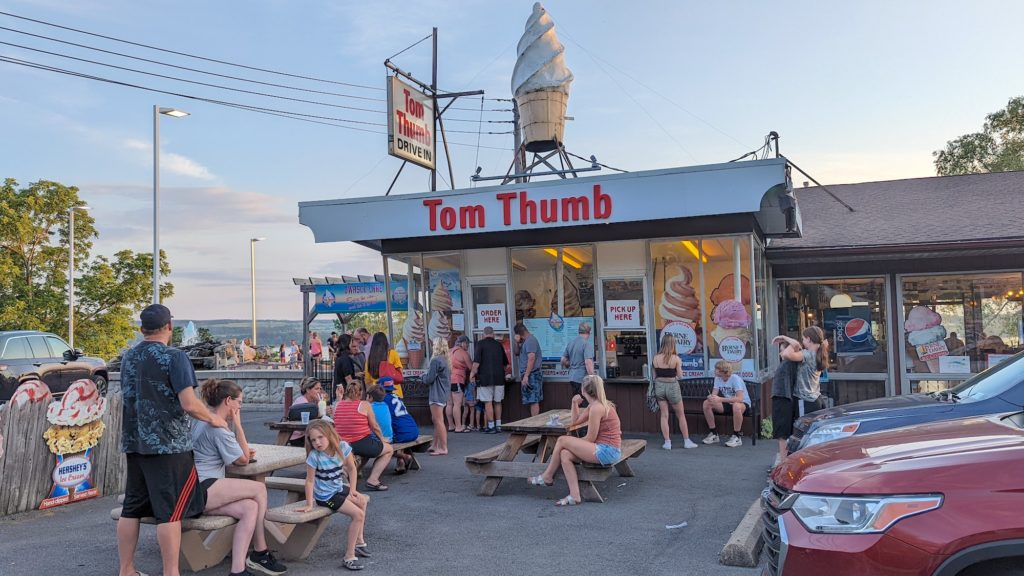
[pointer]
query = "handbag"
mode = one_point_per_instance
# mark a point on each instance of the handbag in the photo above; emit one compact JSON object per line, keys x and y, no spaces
{"x":387,"y":369}
{"x":652,"y":399}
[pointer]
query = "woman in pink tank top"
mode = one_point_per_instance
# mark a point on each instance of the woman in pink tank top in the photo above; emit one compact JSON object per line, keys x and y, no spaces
{"x":602,"y":445}
{"x":354,"y":421}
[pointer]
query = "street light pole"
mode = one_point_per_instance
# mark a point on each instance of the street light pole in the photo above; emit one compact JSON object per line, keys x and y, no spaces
{"x":71,"y":273}
{"x":252,"y":278}
{"x":175,"y":113}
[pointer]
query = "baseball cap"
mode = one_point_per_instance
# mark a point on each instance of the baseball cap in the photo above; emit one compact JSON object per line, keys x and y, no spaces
{"x":387,"y":383}
{"x":462,"y":340}
{"x":155,"y":316}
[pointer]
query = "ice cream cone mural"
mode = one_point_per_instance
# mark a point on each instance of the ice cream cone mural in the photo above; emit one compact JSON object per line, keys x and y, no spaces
{"x":540,"y":83}
{"x":570,"y":301}
{"x":927,"y":335}
{"x":732,"y":321}
{"x":441,"y":304}
{"x":441,"y":298}
{"x":414,"y":333}
{"x":75,"y":431}
{"x":439,"y":327}
{"x":679,"y":300}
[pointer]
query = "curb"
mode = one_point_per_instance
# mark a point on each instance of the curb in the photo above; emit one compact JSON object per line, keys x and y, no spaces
{"x":744,"y":546}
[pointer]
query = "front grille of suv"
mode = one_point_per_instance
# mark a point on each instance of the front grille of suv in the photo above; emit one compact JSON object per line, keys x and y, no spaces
{"x":774,"y":501}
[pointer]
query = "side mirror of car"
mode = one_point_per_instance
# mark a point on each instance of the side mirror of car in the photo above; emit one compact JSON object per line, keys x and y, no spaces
{"x":70,"y":355}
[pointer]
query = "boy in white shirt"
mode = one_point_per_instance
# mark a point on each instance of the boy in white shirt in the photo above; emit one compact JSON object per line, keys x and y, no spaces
{"x":729,"y":393}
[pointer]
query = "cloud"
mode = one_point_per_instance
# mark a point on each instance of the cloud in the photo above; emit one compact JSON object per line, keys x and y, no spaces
{"x":171,"y":162}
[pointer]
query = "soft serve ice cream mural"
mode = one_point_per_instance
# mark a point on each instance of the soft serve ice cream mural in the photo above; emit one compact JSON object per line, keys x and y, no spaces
{"x":76,"y":429}
{"x":927,"y":335}
{"x":678,"y":313}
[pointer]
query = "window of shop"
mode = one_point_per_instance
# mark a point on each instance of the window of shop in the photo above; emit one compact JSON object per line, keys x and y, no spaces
{"x":702,"y":295}
{"x":445,"y":308}
{"x":957,"y":325}
{"x":851,"y":311}
{"x":625,"y":333}
{"x":408,"y":329}
{"x":553,"y":289}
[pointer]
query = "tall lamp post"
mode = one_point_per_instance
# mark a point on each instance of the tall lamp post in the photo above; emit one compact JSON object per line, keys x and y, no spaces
{"x":252,"y":278}
{"x":174,"y":113}
{"x":71,"y":272}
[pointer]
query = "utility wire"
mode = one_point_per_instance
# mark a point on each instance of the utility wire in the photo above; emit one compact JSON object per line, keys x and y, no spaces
{"x":139,"y":44}
{"x":596,"y":162}
{"x":410,"y":47}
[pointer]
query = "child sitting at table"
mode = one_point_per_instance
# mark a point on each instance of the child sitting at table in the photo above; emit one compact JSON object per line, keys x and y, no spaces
{"x":326,"y":455}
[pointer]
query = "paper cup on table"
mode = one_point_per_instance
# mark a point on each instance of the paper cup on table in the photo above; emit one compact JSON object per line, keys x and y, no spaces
{"x":305,"y":417}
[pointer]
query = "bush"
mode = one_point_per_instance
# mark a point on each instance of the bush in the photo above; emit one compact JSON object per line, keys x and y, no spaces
{"x":767,"y":428}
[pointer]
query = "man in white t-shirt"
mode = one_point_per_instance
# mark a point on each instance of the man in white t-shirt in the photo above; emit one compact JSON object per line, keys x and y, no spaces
{"x":728,"y":395}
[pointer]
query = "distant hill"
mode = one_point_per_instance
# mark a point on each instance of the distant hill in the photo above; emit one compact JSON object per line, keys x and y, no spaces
{"x":268,"y":332}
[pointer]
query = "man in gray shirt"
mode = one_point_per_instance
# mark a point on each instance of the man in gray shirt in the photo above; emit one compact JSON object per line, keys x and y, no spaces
{"x":579,"y":359}
{"x":530,"y":376}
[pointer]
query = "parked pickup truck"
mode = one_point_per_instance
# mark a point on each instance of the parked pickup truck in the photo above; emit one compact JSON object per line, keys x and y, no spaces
{"x":29,"y":354}
{"x":940,"y":499}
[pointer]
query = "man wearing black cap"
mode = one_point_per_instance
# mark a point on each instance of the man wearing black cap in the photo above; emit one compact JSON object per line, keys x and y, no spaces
{"x":157,"y":384}
{"x":489,"y":361}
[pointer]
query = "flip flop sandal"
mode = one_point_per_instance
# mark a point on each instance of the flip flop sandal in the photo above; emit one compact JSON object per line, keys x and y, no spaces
{"x":400,"y":471}
{"x":567,"y":501}
{"x":375,"y":488}
{"x":451,"y":429}
{"x":538,"y":481}
{"x":363,"y":551}
{"x":353,"y":564}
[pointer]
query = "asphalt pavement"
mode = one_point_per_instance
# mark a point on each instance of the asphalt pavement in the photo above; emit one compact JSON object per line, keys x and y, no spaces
{"x":432,"y":522}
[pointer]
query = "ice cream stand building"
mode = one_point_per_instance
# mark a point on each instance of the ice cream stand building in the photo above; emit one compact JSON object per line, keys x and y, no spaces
{"x":634,"y":255}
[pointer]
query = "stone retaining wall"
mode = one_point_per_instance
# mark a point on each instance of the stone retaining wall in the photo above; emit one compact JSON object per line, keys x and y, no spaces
{"x":260,"y":386}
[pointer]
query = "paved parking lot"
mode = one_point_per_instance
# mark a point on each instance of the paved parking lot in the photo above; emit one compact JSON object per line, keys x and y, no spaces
{"x":431,"y":521}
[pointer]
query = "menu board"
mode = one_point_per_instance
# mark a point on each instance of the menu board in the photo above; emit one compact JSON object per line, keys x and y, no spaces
{"x":554,"y":336}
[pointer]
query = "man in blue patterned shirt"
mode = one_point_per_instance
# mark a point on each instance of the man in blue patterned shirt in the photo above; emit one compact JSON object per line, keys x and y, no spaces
{"x":157,"y":384}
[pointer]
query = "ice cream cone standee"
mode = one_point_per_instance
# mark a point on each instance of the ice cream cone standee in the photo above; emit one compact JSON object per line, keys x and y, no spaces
{"x":540,"y":83}
{"x":76,"y":429}
{"x":413,"y":332}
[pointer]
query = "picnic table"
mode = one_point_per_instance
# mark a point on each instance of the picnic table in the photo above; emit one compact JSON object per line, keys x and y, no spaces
{"x":285,"y":428}
{"x":542,"y":431}
{"x":269,"y":458}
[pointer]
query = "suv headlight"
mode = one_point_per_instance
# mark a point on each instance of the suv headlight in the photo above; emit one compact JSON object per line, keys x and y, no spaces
{"x":829,"y":432}
{"x":859,"y":515}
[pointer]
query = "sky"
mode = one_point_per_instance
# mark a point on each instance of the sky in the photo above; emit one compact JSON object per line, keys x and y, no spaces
{"x":858,"y":91}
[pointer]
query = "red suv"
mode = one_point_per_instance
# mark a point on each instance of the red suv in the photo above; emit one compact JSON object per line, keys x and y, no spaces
{"x":941,"y":499}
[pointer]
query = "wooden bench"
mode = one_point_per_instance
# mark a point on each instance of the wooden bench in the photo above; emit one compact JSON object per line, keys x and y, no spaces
{"x":293,"y":534}
{"x":696,"y":390}
{"x":295,"y":487}
{"x":485,"y":463}
{"x":419,"y":445}
{"x":205,"y":541}
{"x":491,"y":454}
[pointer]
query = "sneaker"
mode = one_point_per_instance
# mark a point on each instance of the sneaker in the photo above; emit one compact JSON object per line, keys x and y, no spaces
{"x":667,"y":445}
{"x":264,"y":562}
{"x":734,"y":441}
{"x":711,"y":438}
{"x":689,"y":443}
{"x":491,"y":431}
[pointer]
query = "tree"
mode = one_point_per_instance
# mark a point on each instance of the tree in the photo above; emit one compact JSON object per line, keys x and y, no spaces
{"x":34,"y":237}
{"x":999,"y":147}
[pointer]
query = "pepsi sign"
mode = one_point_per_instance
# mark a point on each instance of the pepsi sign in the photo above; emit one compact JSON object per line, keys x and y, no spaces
{"x":852,"y":331}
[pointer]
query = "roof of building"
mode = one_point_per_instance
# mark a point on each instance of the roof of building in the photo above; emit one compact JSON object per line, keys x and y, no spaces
{"x":936,"y":210}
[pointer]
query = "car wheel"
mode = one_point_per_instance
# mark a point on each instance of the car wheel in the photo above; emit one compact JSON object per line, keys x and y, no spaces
{"x":101,"y":383}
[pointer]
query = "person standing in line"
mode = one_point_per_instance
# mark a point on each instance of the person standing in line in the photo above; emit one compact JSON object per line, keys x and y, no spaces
{"x":157,"y":384}
{"x":668,"y":369}
{"x":365,"y":340}
{"x":530,"y":376}
{"x":382,"y":353}
{"x":461,"y":365}
{"x":489,"y":362}
{"x":332,"y":346}
{"x":438,"y":377}
{"x":811,"y":356}
{"x":579,"y":359}
{"x":295,"y":353}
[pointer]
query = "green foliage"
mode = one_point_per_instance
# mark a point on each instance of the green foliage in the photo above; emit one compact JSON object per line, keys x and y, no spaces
{"x":999,"y":147}
{"x":34,"y":240}
{"x":767,"y":429}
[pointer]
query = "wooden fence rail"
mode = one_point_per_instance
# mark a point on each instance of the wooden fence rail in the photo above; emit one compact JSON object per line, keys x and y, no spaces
{"x":27,"y":464}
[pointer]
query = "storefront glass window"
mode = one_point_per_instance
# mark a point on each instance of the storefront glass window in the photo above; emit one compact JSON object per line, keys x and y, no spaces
{"x":625,"y":336}
{"x":554,"y":293}
{"x":961,"y":324}
{"x":851,"y":311}
{"x":445,"y":308}
{"x":702,"y":294}
{"x":408,"y":326}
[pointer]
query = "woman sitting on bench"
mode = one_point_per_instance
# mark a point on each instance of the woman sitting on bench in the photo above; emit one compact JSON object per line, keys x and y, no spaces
{"x":602,"y":445}
{"x":246,"y":500}
{"x":354,"y":421}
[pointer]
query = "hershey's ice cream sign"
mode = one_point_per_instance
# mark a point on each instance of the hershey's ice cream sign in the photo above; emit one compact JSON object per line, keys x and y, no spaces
{"x":410,"y":124}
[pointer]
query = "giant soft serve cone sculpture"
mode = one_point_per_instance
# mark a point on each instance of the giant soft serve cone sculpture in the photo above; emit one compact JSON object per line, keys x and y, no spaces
{"x":540,"y":83}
